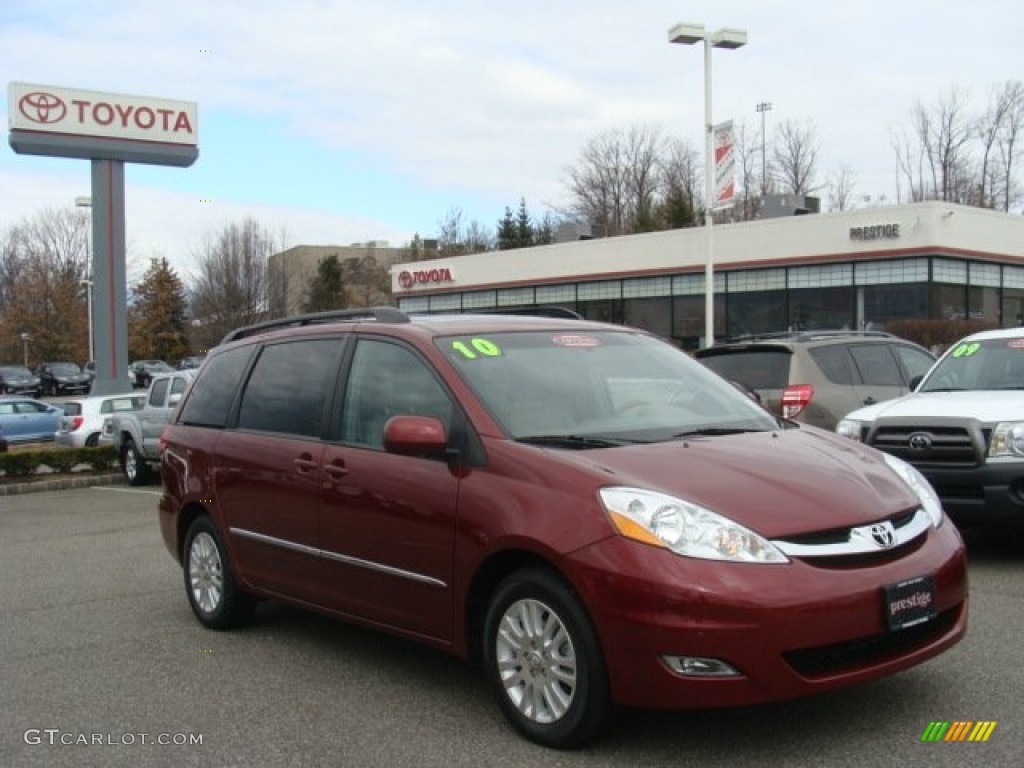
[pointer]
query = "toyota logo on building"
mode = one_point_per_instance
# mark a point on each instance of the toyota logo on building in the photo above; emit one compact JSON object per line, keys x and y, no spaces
{"x":405,"y":279}
{"x":42,"y":107}
{"x":919,"y":442}
{"x":883,"y":534}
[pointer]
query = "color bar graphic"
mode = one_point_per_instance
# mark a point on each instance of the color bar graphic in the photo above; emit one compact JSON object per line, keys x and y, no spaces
{"x":959,"y":730}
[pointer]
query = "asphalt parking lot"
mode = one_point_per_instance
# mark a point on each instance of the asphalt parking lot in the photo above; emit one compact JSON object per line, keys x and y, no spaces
{"x":104,"y":665}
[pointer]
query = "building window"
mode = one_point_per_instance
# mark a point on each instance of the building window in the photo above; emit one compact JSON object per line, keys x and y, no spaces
{"x":887,"y":272}
{"x":693,"y":285}
{"x":555,"y":294}
{"x":984,"y":274}
{"x":820,"y":276}
{"x":885,"y":303}
{"x":949,"y":271}
{"x":414,"y":304}
{"x":515,"y":297}
{"x":746,"y":280}
{"x":445,"y":303}
{"x":644,"y":287}
{"x":606,"y":311}
{"x":480,"y":300}
{"x":653,"y":314}
{"x":756,"y":312}
{"x":821,"y":308}
{"x":607,"y":289}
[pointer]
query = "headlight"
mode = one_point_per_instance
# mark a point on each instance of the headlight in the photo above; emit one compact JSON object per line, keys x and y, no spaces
{"x":921,"y":487}
{"x":851,"y":429}
{"x":684,"y":528}
{"x":1007,"y":440}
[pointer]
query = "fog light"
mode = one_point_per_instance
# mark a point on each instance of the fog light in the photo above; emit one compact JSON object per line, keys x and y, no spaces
{"x":697,"y":666}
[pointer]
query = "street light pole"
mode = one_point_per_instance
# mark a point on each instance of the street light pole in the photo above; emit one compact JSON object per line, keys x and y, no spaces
{"x":764,"y":107}
{"x":689,"y":34}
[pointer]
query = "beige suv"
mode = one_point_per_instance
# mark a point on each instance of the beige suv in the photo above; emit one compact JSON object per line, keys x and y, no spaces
{"x":817,"y":377}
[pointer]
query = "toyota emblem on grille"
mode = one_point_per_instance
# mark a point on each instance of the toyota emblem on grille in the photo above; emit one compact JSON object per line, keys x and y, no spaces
{"x":42,"y":107}
{"x":919,"y":442}
{"x":883,"y":534}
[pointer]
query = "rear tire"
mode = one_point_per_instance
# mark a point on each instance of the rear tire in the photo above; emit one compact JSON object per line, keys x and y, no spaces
{"x":543,"y":659}
{"x":213,"y":593}
{"x":136,"y":470}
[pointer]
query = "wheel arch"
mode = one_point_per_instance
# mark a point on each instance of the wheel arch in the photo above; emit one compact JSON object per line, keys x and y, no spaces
{"x":485,"y":582}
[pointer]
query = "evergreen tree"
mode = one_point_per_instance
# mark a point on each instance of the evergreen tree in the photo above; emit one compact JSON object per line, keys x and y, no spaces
{"x":157,"y":323}
{"x":507,"y":231}
{"x":524,"y":227}
{"x":326,"y":289}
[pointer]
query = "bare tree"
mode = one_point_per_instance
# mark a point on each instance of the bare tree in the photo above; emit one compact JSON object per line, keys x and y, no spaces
{"x":231,"y":288}
{"x":1008,"y":140}
{"x":753,"y":186}
{"x":43,"y":261}
{"x":457,"y":238}
{"x":681,"y":199}
{"x":841,"y":187}
{"x":796,"y":156}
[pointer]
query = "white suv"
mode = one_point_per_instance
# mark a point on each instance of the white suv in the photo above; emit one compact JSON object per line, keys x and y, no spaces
{"x":962,"y":427}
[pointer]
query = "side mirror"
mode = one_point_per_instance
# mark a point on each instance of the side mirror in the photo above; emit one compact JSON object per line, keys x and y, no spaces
{"x":415,"y":436}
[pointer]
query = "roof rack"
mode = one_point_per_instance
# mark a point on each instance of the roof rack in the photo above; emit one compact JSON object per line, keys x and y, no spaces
{"x":806,"y":335}
{"x":562,"y":312}
{"x":380,"y":314}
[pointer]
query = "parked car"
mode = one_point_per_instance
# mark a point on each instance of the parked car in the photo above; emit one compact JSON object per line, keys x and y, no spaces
{"x":143,"y":371}
{"x":83,"y":419}
{"x":193,"y":361}
{"x":136,"y":434}
{"x":63,"y":378}
{"x":584,"y":508}
{"x":817,"y":377}
{"x":963,"y":428}
{"x":19,"y":380}
{"x":23,"y":419}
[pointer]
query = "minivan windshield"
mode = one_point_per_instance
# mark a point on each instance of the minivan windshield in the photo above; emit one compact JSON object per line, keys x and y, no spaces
{"x":597,"y":389}
{"x":989,"y":364}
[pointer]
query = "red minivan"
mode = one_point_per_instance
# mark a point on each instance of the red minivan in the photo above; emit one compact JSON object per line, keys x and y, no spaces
{"x":582,"y":508}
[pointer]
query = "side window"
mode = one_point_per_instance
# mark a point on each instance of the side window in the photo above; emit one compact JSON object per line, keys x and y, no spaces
{"x":834,"y":362}
{"x":877,"y":365}
{"x":289,"y":387}
{"x":158,"y":393}
{"x":388,"y":380}
{"x":914,"y":361}
{"x":178,"y":384}
{"x":214,"y":389}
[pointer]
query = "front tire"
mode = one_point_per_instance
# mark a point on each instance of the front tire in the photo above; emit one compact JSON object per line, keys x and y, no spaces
{"x":136,"y":471}
{"x":213,"y":593}
{"x":544,"y":660}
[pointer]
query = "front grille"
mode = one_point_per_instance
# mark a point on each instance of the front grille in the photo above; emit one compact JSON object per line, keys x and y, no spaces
{"x":864,"y":651}
{"x":949,"y":446}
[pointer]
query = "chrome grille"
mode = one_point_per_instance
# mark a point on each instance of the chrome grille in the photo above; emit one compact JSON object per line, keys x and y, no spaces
{"x":947,"y":446}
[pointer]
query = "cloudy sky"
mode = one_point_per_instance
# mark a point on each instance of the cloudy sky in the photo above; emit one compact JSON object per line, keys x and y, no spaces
{"x":334,"y":122}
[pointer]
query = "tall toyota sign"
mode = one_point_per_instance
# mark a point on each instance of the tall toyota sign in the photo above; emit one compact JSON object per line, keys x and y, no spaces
{"x":110,"y":129}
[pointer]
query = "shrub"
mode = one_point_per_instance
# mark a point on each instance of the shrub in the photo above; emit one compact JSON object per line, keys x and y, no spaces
{"x":19,"y":463}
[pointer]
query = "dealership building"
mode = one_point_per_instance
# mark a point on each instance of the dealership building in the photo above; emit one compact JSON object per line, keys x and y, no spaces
{"x":855,"y":269}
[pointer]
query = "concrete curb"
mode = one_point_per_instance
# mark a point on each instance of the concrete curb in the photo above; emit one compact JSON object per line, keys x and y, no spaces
{"x":62,"y":483}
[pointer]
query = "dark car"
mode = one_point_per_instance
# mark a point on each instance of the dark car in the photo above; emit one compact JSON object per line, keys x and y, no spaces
{"x":63,"y":378}
{"x":583,"y":508}
{"x":143,"y":371}
{"x":817,"y":377}
{"x":19,"y":380}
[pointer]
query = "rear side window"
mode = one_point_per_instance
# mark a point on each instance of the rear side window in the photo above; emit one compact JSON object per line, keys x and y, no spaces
{"x":72,"y":409}
{"x":757,"y":369}
{"x":834,"y":361}
{"x":289,"y":387}
{"x":212,"y":393}
{"x":877,"y":365}
{"x":158,"y":394}
{"x":915,"y":362}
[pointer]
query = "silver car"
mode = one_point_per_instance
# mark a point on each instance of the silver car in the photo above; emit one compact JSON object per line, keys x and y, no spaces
{"x":83,"y":417}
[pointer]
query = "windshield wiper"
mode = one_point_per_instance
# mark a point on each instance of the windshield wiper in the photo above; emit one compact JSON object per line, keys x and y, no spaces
{"x":578,"y":442}
{"x":713,"y":432}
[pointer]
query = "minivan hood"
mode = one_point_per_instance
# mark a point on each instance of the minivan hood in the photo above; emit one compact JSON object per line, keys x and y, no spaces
{"x":776,"y":483}
{"x":987,"y":406}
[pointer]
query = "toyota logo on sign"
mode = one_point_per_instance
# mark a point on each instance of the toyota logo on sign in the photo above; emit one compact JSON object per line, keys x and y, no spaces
{"x":919,"y":442}
{"x":405,"y":279}
{"x":42,"y":107}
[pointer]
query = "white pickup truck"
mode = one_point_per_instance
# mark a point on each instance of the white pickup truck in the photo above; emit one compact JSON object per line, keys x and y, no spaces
{"x":962,"y":428}
{"x":136,"y":434}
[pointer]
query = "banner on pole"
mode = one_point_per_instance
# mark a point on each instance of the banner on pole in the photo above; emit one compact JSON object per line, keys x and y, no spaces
{"x":725,"y":164}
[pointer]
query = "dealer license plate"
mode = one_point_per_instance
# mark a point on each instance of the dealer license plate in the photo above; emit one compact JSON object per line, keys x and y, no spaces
{"x":910,"y":602}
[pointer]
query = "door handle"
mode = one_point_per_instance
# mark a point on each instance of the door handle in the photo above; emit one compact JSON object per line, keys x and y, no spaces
{"x":336,"y":469}
{"x":869,"y":400}
{"x":304,"y":464}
